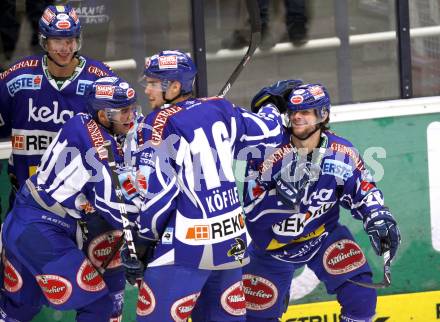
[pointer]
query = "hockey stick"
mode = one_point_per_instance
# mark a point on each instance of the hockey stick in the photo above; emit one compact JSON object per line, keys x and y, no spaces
{"x":101,"y":269}
{"x":254,"y":19}
{"x":127,"y":235}
{"x":386,"y":275}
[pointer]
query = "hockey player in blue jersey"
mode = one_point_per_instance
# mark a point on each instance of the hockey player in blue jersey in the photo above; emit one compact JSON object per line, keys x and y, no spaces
{"x":43,"y":261}
{"x":39,"y":94}
{"x":191,"y":206}
{"x":292,"y":199}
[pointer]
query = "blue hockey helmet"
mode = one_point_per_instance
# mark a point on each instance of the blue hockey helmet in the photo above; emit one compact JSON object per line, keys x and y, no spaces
{"x":110,"y":94}
{"x":309,"y":96}
{"x":172,"y":65}
{"x":59,"y":21}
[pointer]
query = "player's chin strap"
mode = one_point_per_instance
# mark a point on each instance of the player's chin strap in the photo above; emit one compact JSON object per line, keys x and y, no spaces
{"x":386,"y":275}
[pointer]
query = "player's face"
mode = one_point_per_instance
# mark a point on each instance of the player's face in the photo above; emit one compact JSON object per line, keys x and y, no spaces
{"x":61,"y":50}
{"x":123,"y":118}
{"x":153,"y":90}
{"x":303,"y":122}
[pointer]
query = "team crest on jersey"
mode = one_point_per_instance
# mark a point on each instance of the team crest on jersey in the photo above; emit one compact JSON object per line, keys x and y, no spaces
{"x":56,"y":289}
{"x":101,"y":247}
{"x":181,"y":309}
{"x":88,"y":278}
{"x":260,"y":293}
{"x":11,"y":277}
{"x":233,"y":300}
{"x":146,"y":301}
{"x":24,"y":81}
{"x":160,"y":122}
{"x":342,"y":257}
{"x":238,"y":249}
{"x":167,"y":237}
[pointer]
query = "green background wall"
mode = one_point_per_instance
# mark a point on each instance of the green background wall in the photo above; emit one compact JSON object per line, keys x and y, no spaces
{"x":405,"y":186}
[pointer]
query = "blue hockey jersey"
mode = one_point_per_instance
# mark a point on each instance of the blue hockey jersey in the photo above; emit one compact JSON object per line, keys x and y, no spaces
{"x":33,"y":108}
{"x":341,"y":179}
{"x":192,"y":204}
{"x":74,"y":177}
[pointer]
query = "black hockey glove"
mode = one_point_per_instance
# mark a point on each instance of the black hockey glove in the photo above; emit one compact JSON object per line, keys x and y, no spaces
{"x":288,"y":193}
{"x":276,"y":94}
{"x":382,"y":230}
{"x":134,"y":269}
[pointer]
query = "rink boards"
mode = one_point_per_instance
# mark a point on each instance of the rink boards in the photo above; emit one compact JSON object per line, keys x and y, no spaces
{"x":415,"y":307}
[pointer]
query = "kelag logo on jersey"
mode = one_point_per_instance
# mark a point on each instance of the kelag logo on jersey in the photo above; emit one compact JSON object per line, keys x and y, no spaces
{"x":25,"y":81}
{"x":81,"y":87}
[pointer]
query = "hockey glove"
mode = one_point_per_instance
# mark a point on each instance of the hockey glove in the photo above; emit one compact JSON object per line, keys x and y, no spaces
{"x":134,"y":268}
{"x":276,"y":94}
{"x":287,"y":193}
{"x":382,"y":230}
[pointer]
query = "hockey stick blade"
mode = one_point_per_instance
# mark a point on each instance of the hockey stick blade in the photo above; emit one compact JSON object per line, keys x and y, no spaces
{"x":254,"y":18}
{"x":386,"y":275}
